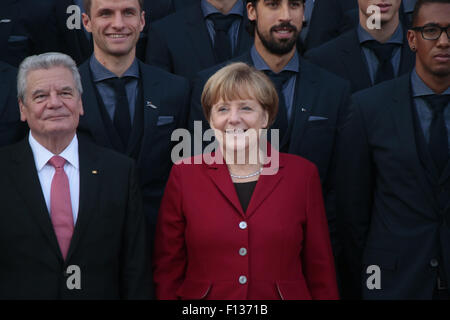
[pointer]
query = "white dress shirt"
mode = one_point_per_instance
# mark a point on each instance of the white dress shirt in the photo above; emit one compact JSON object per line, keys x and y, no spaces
{"x":46,"y":171}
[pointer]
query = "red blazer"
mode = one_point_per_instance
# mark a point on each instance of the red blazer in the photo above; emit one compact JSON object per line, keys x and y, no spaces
{"x":206,"y":247}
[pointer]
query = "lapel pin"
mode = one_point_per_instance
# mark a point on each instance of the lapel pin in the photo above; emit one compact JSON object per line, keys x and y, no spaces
{"x":5,"y":20}
{"x":303,"y":110}
{"x":94,"y":172}
{"x":150,"y":104}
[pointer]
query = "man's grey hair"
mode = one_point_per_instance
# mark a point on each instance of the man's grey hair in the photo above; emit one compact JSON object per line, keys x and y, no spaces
{"x":46,"y":61}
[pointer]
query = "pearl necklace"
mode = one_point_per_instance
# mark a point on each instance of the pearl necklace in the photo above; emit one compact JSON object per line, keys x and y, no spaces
{"x":247,"y":176}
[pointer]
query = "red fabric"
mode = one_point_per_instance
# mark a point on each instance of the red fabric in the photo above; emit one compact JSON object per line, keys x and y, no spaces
{"x":60,"y":205}
{"x":199,"y":235}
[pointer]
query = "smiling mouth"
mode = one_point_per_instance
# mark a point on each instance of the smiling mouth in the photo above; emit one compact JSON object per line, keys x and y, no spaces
{"x":235,"y":131}
{"x":117,"y":35}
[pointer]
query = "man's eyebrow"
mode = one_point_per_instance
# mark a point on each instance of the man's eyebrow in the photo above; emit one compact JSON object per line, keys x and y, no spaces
{"x":36,"y":92}
{"x":66,"y":89}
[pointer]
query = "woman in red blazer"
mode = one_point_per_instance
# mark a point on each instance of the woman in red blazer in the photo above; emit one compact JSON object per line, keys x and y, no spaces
{"x":243,"y":228}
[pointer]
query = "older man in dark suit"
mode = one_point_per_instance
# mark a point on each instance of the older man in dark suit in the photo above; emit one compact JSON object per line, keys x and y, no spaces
{"x":71,"y":220}
{"x":394,"y":174}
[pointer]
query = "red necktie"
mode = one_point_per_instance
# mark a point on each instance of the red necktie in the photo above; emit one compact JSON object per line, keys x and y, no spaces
{"x":60,"y":205}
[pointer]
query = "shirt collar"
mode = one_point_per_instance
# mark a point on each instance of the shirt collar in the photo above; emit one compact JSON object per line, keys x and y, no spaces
{"x":397,"y":36}
{"x":100,"y":73}
{"x":43,"y":155}
{"x":208,"y":8}
{"x":259,"y":63}
{"x":419,"y":88}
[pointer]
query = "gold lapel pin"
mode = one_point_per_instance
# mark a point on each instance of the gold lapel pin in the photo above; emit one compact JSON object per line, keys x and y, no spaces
{"x":94,"y":171}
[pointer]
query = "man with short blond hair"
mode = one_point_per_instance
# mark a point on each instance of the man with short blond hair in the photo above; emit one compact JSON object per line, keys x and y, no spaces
{"x":131,"y":107}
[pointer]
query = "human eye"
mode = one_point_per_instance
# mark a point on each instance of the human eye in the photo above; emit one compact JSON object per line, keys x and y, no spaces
{"x":247,"y":108}
{"x":431,"y":31}
{"x":104,"y":13}
{"x":295,"y":4}
{"x":271,"y":4}
{"x":129,"y":12}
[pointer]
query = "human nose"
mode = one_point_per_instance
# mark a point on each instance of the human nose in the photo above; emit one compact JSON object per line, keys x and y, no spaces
{"x":285,"y":14}
{"x":54,"y":100}
{"x":443,"y":38}
{"x":118,"y":21}
{"x":235,"y":117}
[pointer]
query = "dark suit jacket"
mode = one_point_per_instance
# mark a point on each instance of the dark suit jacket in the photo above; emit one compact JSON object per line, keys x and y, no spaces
{"x":179,"y":5}
{"x":26,"y":29}
{"x":109,"y":243}
{"x":152,"y":148}
{"x":388,"y":198}
{"x":11,"y":128}
{"x":180,"y":43}
{"x":317,"y":93}
{"x":343,"y":57}
{"x":286,"y":236}
{"x":329,"y":19}
{"x":75,"y":42}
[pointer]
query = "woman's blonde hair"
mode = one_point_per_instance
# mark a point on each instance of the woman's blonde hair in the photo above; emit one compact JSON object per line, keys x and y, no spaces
{"x":240,"y":81}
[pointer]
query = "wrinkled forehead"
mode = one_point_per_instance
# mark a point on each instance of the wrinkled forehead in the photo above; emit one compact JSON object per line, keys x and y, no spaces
{"x":52,"y":78}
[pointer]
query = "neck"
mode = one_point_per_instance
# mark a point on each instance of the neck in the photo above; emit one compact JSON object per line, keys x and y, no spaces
{"x":116,"y":64}
{"x":55,"y":143}
{"x":223,"y":6}
{"x":385,"y":32}
{"x":436,"y":83}
{"x":275,"y":62}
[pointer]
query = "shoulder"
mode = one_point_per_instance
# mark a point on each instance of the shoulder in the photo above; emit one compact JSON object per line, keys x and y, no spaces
{"x":107,"y":157}
{"x":163,"y":76}
{"x":329,"y":48}
{"x":383,"y":91}
{"x":7,"y":70}
{"x":324,"y":77}
{"x":171,"y":23}
{"x":297,"y":163}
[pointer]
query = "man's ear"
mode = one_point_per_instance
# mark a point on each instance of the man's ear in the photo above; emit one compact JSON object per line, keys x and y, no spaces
{"x":22,"y":107}
{"x":142,"y":18}
{"x":86,"y":22}
{"x":411,"y":36}
{"x":251,"y":11}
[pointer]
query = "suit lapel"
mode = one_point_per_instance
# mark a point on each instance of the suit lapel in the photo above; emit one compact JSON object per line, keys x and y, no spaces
{"x":152,"y":95}
{"x":92,"y":119}
{"x":26,"y":180}
{"x":90,"y":175}
{"x":220,"y":176}
{"x":354,"y":63}
{"x":268,"y":180}
{"x":304,"y":97}
{"x":401,"y":112}
{"x":198,"y":36}
{"x":245,"y":41}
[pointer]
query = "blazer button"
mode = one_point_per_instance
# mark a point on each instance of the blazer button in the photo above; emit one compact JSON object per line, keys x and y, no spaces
{"x":243,"y":225}
{"x":434,"y":263}
{"x":242,"y":251}
{"x":242,"y":279}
